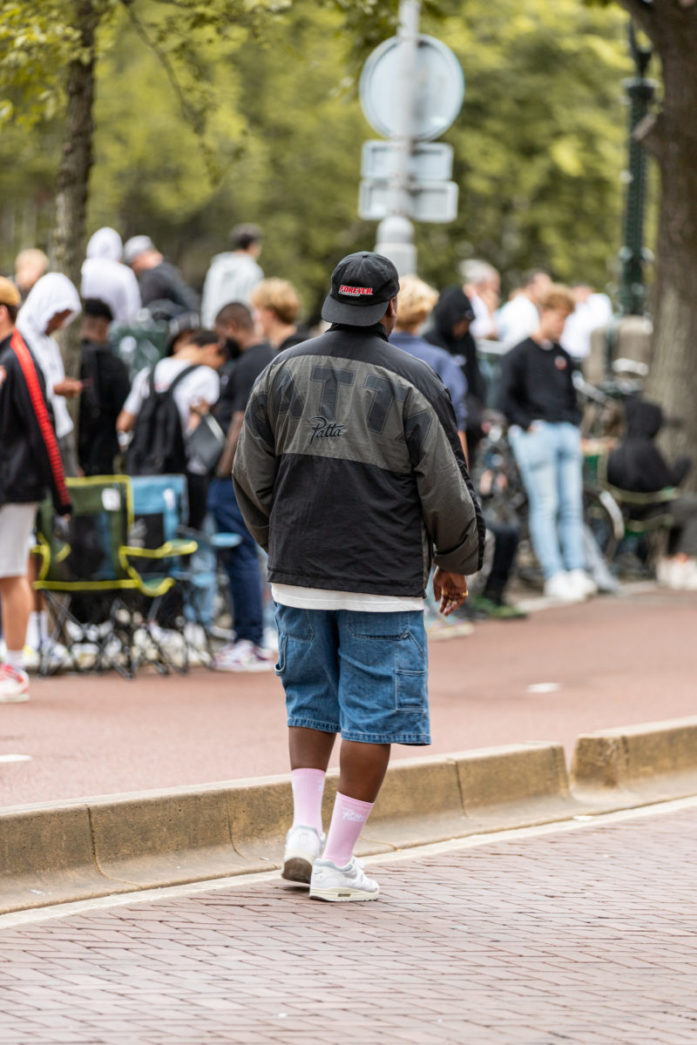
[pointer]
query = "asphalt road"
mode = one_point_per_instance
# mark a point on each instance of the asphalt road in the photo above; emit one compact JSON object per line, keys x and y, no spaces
{"x":563,"y":671}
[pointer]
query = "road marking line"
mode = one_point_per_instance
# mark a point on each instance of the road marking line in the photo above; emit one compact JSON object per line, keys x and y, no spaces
{"x":15,"y":758}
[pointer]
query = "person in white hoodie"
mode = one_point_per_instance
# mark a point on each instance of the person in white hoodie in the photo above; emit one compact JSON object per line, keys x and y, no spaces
{"x":233,"y":275}
{"x":52,"y":304}
{"x":106,"y":279}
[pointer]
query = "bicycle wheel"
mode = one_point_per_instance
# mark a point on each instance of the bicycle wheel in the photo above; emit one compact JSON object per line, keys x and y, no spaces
{"x":604,"y":518}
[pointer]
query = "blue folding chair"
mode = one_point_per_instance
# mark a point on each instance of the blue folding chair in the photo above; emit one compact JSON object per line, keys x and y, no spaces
{"x":160,"y":505}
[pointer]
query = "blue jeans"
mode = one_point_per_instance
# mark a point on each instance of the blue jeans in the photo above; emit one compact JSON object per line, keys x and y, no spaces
{"x":241,"y":563}
{"x":550,"y":465}
{"x":363,"y":675}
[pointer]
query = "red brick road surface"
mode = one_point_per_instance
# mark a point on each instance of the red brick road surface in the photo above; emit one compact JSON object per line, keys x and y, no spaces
{"x":581,"y":937}
{"x":615,"y":661}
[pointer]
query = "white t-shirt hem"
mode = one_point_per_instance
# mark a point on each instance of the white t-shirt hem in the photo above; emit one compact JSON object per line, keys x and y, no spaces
{"x":328,"y":599}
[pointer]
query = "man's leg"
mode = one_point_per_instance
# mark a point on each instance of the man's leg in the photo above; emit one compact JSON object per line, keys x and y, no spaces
{"x":362,"y":769}
{"x":307,"y":665}
{"x":383,"y":700}
{"x":309,"y":750}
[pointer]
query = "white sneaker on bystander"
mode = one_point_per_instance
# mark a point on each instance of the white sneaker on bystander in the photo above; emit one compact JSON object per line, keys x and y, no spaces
{"x":14,"y":685}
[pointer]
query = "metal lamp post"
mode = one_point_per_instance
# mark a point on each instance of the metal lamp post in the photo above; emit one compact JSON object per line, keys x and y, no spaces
{"x":395,"y":236}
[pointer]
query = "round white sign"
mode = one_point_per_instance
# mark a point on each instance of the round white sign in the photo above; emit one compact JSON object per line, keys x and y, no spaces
{"x":439,"y":91}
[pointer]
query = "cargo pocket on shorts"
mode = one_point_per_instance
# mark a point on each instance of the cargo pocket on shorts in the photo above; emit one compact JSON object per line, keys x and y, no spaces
{"x":411,"y":675}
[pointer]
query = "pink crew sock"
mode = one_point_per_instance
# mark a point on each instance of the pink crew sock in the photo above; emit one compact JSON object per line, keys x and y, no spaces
{"x":348,"y":819}
{"x":308,"y":788}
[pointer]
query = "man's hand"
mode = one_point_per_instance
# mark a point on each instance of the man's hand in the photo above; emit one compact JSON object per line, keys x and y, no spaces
{"x":450,"y":588}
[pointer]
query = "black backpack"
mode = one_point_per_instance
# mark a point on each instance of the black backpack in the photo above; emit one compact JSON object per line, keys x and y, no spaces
{"x":158,"y":446}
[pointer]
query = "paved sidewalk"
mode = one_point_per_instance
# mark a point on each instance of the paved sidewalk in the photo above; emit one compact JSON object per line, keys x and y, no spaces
{"x":564,"y":671}
{"x":583,"y":936}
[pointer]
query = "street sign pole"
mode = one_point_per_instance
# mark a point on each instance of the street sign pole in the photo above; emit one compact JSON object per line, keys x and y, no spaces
{"x":395,"y":234}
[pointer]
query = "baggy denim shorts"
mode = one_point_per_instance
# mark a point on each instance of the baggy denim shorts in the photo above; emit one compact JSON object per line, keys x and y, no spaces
{"x":363,"y":675}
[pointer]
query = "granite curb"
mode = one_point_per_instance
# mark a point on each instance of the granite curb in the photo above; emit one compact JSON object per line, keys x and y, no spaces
{"x":99,"y":846}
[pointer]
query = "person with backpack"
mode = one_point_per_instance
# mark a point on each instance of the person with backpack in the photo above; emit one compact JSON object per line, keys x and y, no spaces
{"x":164,"y":405}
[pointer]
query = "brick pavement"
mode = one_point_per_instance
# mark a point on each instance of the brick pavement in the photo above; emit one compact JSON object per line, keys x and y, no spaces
{"x":584,"y":937}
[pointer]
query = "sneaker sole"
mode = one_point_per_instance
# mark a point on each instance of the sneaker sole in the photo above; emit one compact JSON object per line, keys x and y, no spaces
{"x":14,"y":698}
{"x":297,"y":869}
{"x":342,"y":894}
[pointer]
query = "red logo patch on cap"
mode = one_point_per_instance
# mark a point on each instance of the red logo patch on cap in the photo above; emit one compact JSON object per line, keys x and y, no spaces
{"x":356,"y":292}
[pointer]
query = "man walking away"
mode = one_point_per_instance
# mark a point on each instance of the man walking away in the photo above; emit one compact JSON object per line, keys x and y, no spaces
{"x":29,"y":463}
{"x":233,"y":274}
{"x":349,"y":471}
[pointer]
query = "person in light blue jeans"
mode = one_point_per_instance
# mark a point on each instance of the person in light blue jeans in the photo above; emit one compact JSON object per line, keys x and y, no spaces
{"x":538,"y":397}
{"x":548,"y":456}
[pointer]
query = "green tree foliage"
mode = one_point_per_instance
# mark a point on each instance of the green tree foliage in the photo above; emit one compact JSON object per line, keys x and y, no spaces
{"x":539,"y":142}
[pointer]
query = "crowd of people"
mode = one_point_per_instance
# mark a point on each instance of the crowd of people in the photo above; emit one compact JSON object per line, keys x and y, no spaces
{"x":185,"y":413}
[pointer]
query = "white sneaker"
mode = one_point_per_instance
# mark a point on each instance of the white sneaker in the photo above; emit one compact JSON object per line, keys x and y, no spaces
{"x":242,"y":656}
{"x":690,"y":578}
{"x":681,"y":575}
{"x":583,"y":582}
{"x":14,"y":685}
{"x":54,"y":654}
{"x":560,"y":588}
{"x":341,"y":884}
{"x":303,"y":846}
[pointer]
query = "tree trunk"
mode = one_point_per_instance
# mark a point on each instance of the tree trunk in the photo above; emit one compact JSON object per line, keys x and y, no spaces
{"x":75,"y":165}
{"x":673,"y":140}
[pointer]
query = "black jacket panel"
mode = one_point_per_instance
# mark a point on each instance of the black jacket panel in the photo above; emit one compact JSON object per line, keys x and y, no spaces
{"x":349,"y":469}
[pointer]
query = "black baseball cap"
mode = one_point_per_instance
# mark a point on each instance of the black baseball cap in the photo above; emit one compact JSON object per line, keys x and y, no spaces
{"x":362,"y":285}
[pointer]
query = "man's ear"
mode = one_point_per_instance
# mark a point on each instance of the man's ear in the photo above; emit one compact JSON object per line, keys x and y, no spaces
{"x":392,"y":308}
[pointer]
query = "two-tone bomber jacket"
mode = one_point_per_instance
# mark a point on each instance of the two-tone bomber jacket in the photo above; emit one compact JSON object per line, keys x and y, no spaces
{"x":349,"y":470}
{"x":30,"y":461}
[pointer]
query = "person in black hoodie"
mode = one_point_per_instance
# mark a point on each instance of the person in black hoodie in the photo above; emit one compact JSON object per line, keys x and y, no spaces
{"x":638,"y":466}
{"x":105,"y":384}
{"x":449,"y":328}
